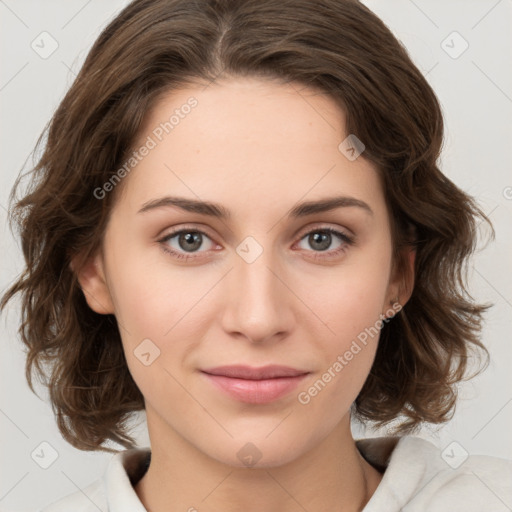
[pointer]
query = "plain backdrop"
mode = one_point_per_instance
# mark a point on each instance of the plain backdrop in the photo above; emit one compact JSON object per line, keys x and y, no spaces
{"x":464,"y":50}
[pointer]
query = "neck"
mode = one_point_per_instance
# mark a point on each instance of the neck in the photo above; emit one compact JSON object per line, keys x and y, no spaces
{"x":331,"y":476}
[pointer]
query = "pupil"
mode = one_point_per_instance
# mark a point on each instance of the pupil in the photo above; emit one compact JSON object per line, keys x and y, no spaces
{"x":193,"y":241}
{"x":323,"y":238}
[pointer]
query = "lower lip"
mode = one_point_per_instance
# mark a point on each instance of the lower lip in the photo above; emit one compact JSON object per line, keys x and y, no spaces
{"x":255,"y":391}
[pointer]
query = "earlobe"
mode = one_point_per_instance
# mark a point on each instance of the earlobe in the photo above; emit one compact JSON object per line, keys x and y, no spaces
{"x":91,"y":277}
{"x":409,"y":276}
{"x":402,"y":285}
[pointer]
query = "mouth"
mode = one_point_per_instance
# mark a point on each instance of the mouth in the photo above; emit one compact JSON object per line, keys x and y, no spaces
{"x":255,"y":385}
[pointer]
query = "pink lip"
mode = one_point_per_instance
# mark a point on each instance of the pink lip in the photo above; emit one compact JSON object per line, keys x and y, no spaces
{"x":255,"y":385}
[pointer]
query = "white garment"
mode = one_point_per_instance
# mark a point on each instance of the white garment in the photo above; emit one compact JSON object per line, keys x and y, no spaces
{"x":416,"y":479}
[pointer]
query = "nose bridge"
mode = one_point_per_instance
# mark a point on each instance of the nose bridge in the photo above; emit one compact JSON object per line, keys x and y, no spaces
{"x":259,"y":302}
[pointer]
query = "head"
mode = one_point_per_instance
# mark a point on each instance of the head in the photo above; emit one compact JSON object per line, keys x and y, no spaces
{"x":251,"y":108}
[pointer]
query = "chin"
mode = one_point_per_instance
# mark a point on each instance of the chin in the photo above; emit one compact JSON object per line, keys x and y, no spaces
{"x":262,"y":452}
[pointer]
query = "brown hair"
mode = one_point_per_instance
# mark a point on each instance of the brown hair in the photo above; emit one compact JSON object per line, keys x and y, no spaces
{"x":154,"y":46}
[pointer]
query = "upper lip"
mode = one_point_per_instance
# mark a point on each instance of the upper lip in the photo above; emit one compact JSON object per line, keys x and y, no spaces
{"x":255,"y":373}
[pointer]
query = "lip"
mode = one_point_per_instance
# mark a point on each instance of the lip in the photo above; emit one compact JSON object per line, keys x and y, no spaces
{"x":255,"y":385}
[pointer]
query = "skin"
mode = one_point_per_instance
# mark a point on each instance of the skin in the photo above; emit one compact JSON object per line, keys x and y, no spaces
{"x":258,"y":148}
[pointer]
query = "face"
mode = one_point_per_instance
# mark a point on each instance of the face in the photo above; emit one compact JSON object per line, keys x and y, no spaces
{"x":267,"y":283}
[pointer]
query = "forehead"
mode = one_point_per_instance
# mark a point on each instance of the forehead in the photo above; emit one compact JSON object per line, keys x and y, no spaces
{"x":248,"y":142}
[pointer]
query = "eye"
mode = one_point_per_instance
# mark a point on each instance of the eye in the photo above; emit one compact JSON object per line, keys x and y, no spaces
{"x":179,"y":243}
{"x":186,"y":242}
{"x":322,"y":239}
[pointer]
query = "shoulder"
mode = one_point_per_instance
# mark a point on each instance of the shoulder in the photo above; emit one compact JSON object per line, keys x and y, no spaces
{"x":113,"y":491}
{"x":477,"y":482}
{"x":420,"y":477}
{"x":90,"y":499}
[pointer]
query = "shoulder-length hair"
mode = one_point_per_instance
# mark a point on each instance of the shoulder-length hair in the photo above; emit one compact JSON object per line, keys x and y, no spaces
{"x":154,"y":46}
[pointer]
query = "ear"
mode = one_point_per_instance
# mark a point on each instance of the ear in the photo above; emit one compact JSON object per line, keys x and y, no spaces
{"x":91,"y":277}
{"x":401,"y":284}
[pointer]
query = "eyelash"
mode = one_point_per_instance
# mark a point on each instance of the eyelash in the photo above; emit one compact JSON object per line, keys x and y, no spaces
{"x":318,"y":254}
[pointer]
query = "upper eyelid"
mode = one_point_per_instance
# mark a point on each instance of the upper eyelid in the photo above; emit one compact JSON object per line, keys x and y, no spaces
{"x":344,"y":231}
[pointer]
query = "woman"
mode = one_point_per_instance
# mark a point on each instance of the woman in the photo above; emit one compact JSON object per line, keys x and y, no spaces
{"x":238,"y":225}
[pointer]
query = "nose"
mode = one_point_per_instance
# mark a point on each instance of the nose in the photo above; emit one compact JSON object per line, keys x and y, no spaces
{"x":259,"y":306}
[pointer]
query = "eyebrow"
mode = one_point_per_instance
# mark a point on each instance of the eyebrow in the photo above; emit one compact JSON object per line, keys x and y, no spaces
{"x":217,"y":210}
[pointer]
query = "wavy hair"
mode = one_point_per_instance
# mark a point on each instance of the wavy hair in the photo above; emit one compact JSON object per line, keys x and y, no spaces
{"x":154,"y":46}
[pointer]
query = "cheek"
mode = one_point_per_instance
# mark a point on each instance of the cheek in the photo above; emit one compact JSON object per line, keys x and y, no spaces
{"x":158,"y":306}
{"x":347,"y":352}
{"x":349,"y":301}
{"x":356,"y":305}
{"x":350,"y":298}
{"x":151,"y":295}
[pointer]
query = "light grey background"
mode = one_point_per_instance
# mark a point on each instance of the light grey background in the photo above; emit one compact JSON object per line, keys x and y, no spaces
{"x":475,"y":90}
